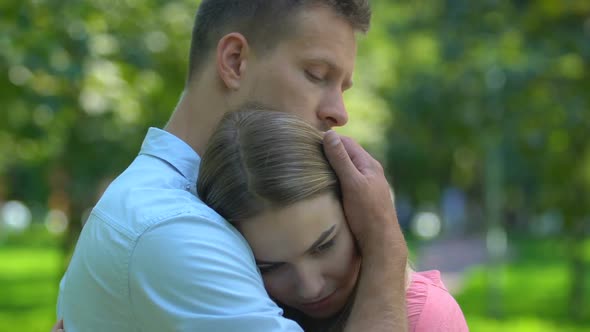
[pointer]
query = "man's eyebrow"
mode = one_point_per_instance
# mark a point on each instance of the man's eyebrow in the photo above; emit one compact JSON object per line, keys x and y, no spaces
{"x":317,"y":242}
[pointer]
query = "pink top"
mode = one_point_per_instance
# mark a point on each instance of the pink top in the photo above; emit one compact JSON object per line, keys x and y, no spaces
{"x":430,"y":306}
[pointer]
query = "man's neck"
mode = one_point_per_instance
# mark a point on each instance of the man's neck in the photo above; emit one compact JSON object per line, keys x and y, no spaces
{"x":196,"y":116}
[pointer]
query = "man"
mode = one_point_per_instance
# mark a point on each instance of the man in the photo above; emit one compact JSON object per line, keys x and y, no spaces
{"x":153,"y":257}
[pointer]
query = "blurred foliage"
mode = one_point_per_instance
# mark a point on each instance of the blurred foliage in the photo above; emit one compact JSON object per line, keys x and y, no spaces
{"x":494,"y":90}
{"x":84,"y":83}
{"x":442,"y":90}
{"x":513,"y":74}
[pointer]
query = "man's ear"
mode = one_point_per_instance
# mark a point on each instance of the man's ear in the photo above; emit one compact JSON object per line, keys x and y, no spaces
{"x":232,"y":56}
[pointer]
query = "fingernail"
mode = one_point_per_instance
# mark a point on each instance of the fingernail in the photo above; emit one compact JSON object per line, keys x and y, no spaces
{"x":332,"y":138}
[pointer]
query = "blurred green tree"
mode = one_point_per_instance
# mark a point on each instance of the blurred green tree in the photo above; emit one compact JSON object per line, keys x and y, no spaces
{"x":494,"y":79}
{"x":85,"y":80}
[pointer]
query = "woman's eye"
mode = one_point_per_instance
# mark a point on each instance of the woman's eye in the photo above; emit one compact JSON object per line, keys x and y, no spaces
{"x":268,"y":268}
{"x":325,"y":246}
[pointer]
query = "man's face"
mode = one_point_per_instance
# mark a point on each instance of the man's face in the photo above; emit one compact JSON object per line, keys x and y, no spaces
{"x":306,"y":254}
{"x":307,"y":73}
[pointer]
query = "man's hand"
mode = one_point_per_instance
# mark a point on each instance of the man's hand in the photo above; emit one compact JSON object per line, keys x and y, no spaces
{"x":58,"y":327}
{"x":380,"y":304}
{"x":366,"y":197}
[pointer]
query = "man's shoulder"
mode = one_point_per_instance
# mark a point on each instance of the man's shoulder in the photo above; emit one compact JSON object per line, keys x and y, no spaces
{"x":164,"y":211}
{"x":150,"y":192}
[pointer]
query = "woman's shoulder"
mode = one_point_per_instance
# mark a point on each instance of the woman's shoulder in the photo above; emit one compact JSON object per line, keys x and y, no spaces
{"x":430,"y":306}
{"x":431,"y":277}
{"x":420,"y":286}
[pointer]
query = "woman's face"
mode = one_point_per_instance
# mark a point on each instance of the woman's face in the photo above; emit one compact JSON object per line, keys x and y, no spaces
{"x":306,"y":255}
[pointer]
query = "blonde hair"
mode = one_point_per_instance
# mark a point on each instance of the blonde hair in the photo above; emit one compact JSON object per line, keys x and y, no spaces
{"x":260,"y":159}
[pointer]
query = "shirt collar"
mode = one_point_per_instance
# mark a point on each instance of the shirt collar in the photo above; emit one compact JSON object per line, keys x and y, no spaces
{"x":171,"y":149}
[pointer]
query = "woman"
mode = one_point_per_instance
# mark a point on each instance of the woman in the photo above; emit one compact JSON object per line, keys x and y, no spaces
{"x":266,"y":173}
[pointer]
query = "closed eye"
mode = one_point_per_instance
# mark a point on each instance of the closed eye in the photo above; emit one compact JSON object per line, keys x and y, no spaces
{"x":267,"y":268}
{"x":324,"y":247}
{"x":314,"y":78}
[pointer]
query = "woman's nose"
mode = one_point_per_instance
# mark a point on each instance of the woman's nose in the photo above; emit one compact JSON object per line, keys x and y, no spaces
{"x":310,"y":283}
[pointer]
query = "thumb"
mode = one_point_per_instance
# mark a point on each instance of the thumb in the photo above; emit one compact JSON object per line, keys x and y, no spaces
{"x":338,"y":156}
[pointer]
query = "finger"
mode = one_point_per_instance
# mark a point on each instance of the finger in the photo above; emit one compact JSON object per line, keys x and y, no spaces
{"x":359,"y":157}
{"x":338,"y":156}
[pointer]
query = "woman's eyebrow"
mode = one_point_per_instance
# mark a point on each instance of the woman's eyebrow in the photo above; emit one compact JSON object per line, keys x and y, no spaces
{"x":322,"y":238}
{"x":260,"y":262}
{"x":317,"y":242}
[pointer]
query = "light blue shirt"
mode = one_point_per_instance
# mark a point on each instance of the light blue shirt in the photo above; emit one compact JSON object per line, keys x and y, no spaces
{"x":153,"y":257}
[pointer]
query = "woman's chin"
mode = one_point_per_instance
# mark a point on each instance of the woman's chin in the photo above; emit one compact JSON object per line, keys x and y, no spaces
{"x":327,"y":308}
{"x":321,"y":314}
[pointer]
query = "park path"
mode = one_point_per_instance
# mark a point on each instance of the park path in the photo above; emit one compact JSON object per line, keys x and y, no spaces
{"x":452,"y":257}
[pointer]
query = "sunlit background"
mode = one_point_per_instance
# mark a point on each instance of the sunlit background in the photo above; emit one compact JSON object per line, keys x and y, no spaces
{"x":480,"y":111}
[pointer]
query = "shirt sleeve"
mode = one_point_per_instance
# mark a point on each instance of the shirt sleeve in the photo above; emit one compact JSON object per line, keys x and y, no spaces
{"x":416,"y":297}
{"x":440,"y":312}
{"x":191,"y":274}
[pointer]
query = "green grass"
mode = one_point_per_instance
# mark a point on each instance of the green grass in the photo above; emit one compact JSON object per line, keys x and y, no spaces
{"x":28,"y":283}
{"x":533,"y":292}
{"x":521,"y":324}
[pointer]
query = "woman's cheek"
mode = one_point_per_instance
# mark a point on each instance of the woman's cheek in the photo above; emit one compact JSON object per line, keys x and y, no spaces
{"x":276,"y":287}
{"x":349,"y":257}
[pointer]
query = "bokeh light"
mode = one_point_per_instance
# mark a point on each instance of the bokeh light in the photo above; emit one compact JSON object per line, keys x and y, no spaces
{"x":56,"y":221}
{"x":426,"y":225}
{"x":16,"y":216}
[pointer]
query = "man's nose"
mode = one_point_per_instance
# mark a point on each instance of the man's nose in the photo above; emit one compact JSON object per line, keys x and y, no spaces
{"x":310,"y":283}
{"x":332,"y":111}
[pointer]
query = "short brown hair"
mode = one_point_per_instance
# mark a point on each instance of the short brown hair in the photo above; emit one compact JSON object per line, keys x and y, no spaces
{"x":259,"y":159}
{"x":262,"y":22}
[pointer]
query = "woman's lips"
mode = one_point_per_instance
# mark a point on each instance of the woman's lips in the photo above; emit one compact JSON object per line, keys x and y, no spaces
{"x":319,"y":305}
